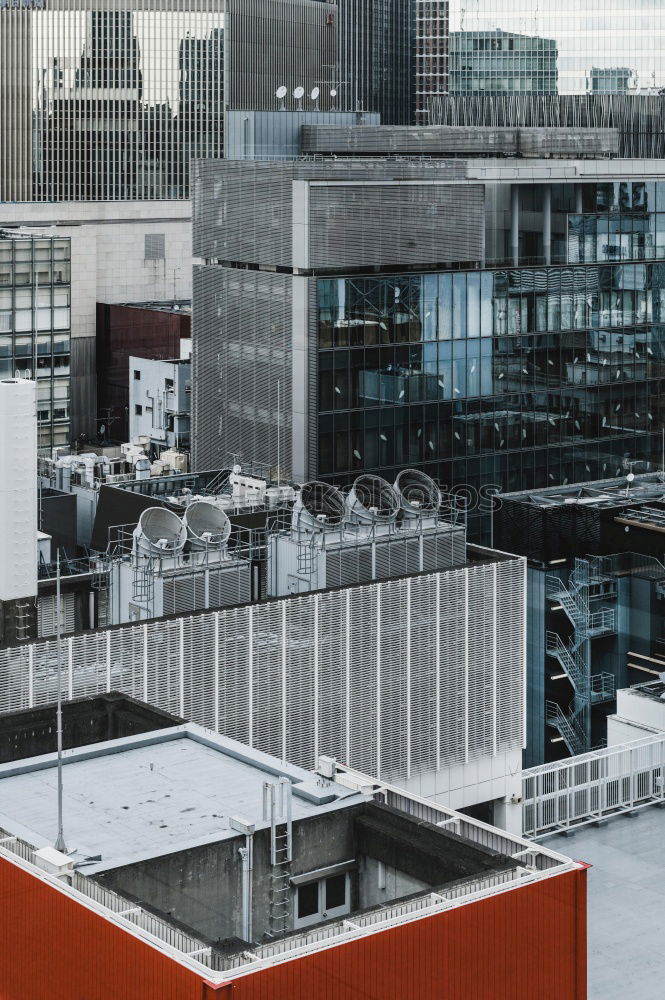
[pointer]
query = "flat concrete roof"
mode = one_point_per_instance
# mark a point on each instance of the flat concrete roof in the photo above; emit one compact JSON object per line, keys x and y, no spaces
{"x":626,"y":897}
{"x":153,"y":794}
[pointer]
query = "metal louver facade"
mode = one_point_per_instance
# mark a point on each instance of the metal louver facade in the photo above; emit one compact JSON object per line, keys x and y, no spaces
{"x":337,"y":214}
{"x":243,"y":367}
{"x":395,"y":678}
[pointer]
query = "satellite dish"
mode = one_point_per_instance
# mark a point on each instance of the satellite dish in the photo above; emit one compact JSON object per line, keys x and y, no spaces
{"x":299,"y":93}
{"x":281,"y":93}
{"x":630,"y":477}
{"x":333,"y":92}
{"x":315,"y":93}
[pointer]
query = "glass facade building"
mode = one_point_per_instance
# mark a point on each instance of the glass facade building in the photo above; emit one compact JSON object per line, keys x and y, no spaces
{"x":35,"y":325}
{"x":588,"y":36}
{"x":511,"y":375}
{"x":500,"y":62}
{"x":112,"y":101}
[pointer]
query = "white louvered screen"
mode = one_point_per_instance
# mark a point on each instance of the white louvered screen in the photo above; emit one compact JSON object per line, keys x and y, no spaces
{"x":396,"y":678}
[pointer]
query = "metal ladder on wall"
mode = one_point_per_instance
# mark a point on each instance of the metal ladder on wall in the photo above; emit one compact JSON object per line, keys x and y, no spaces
{"x":277,"y":811}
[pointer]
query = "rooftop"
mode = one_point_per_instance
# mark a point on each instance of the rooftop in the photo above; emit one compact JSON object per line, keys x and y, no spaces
{"x":172,"y":306}
{"x":626,"y":899}
{"x":148,"y":795}
{"x":618,"y":492}
{"x":389,"y":857}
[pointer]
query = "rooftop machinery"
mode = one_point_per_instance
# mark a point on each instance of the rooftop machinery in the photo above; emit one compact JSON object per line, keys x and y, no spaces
{"x":177,"y":564}
{"x":332,"y":539}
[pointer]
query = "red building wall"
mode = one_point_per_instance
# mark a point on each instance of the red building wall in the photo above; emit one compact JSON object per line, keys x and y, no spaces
{"x":527,"y":944}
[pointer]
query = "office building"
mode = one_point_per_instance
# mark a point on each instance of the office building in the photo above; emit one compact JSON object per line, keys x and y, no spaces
{"x":494,"y":322}
{"x":596,"y":602}
{"x":377,"y":42}
{"x":100,"y":106}
{"x":432,"y":57}
{"x":210,"y":867}
{"x":585,"y":35}
{"x":489,"y":63}
{"x":109,"y":105}
{"x":35,"y":325}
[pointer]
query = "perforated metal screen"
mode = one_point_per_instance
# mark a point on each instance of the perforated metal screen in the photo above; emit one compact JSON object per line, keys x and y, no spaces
{"x":394,"y":678}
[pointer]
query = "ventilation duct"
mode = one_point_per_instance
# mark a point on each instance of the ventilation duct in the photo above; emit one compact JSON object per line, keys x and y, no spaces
{"x":418,"y":493}
{"x":159,"y":532}
{"x":372,"y":500}
{"x":319,"y":506}
{"x":208,"y":527}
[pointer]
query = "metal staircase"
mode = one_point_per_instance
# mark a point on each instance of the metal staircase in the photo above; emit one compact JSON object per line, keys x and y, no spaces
{"x":277,"y":811}
{"x":586,"y":582}
{"x":569,"y":725}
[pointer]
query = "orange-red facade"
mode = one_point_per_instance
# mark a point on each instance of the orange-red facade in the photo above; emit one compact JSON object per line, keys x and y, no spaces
{"x":526,"y":944}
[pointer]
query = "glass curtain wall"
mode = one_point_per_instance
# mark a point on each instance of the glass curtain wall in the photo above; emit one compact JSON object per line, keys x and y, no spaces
{"x":35,"y":325}
{"x":519,"y":377}
{"x":600,"y":46}
{"x":122,"y":97}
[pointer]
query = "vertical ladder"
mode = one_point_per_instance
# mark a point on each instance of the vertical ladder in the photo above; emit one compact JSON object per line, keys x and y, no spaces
{"x":277,"y":811}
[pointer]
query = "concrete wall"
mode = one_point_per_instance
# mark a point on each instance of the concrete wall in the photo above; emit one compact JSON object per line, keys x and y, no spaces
{"x":202,"y":887}
{"x":464,"y":785}
{"x":379,"y":884}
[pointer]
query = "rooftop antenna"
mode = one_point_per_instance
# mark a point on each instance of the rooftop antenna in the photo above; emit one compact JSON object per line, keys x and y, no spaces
{"x":280,"y":94}
{"x":299,"y":93}
{"x":333,"y":94}
{"x":315,"y":97}
{"x":60,"y":839}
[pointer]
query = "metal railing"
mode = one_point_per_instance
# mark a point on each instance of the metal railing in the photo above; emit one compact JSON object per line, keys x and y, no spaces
{"x":569,"y":794}
{"x":568,"y":725}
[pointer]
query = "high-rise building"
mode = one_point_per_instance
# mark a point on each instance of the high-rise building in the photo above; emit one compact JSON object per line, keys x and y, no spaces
{"x":101,"y":104}
{"x":489,"y":322}
{"x":35,"y":324}
{"x":431,"y":60}
{"x":488,"y":63}
{"x":376,"y":58}
{"x":584,"y":34}
{"x":111,"y":104}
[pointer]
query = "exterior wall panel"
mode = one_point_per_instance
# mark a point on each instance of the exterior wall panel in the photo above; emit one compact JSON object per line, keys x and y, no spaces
{"x":372,"y":680}
{"x":518,"y":945}
{"x":77,"y":952}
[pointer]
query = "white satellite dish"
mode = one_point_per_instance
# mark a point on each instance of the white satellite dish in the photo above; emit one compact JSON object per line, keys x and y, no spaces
{"x":333,"y":92}
{"x":315,"y":93}
{"x":281,"y":93}
{"x":299,"y":93}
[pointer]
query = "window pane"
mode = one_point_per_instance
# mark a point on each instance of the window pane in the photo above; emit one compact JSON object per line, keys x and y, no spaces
{"x":335,"y":891}
{"x":308,"y":900}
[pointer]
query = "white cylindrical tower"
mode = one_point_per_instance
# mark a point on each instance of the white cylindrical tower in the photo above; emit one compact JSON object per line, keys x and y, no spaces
{"x":18,"y":489}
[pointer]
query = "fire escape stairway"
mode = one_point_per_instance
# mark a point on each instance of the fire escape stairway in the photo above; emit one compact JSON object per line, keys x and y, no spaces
{"x":574,"y":656}
{"x":571,"y":659}
{"x":569,"y":726}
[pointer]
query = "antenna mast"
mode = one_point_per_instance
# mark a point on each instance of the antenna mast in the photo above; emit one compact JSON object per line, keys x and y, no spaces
{"x":60,"y":840}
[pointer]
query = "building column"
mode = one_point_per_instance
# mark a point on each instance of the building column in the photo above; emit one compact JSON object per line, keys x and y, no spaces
{"x":547,"y":224}
{"x":515,"y":224}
